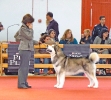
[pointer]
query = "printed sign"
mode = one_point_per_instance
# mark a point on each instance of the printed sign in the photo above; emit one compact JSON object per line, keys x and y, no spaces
{"x":76,"y":50}
{"x":14,"y":59}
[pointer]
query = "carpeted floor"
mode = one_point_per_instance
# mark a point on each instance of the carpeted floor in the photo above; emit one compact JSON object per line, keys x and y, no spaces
{"x":42,"y":89}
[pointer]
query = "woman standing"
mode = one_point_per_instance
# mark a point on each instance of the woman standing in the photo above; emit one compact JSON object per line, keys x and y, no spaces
{"x":25,"y":48}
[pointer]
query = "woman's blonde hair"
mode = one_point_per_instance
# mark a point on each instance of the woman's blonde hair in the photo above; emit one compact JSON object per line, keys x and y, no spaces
{"x":88,"y":31}
{"x":65,"y":35}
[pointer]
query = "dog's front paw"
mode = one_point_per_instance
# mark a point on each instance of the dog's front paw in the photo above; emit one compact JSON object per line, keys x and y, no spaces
{"x":95,"y":86}
{"x":60,"y":86}
{"x":90,"y":86}
{"x":56,"y":85}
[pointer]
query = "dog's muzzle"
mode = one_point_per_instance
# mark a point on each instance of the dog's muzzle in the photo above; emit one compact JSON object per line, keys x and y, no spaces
{"x":48,"y":50}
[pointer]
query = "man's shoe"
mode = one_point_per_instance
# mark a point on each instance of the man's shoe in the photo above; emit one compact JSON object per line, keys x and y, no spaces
{"x":28,"y":86}
{"x":23,"y":87}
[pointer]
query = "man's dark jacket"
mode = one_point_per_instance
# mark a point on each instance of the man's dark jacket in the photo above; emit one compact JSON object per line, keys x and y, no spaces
{"x":53,"y":25}
{"x":96,"y":30}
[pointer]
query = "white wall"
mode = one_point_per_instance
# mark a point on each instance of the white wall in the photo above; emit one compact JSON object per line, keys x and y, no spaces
{"x":66,"y":12}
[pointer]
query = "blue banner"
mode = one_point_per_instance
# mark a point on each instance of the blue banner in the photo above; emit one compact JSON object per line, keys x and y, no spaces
{"x":14,"y":59}
{"x":76,"y":50}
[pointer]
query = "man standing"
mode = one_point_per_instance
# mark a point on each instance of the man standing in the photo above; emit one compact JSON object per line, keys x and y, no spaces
{"x":97,"y":28}
{"x":52,"y":24}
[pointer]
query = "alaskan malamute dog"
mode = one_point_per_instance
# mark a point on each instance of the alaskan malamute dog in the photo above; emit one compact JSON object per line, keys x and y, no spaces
{"x":64,"y":65}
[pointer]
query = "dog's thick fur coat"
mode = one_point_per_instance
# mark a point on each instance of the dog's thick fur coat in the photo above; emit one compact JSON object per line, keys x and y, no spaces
{"x":64,"y":65}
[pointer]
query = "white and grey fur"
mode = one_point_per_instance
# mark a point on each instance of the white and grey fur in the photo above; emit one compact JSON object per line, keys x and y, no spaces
{"x":64,"y":65}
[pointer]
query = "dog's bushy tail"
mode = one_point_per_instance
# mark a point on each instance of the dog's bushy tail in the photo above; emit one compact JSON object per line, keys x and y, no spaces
{"x":93,"y":57}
